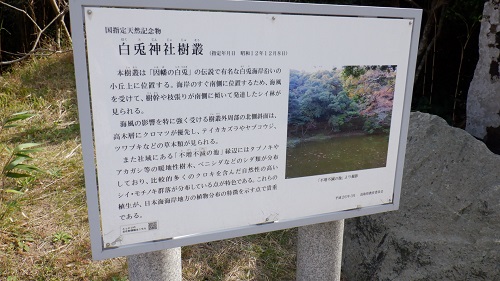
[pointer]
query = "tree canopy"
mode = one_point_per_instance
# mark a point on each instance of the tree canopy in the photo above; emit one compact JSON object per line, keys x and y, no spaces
{"x":348,"y":98}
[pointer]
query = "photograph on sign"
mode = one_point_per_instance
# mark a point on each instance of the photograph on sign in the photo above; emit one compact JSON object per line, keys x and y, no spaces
{"x":339,"y":119}
{"x":246,"y":119}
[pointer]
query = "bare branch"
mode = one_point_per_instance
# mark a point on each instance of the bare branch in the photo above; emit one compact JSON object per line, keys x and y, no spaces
{"x":38,"y":37}
{"x":24,"y":12}
{"x":42,"y":52}
{"x":55,"y":6}
{"x":427,"y":41}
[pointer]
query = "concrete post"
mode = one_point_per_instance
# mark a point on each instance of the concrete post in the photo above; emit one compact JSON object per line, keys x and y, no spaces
{"x":319,"y":251}
{"x":156,"y":266}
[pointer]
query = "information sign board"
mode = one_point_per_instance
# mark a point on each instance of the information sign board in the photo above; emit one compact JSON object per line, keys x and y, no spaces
{"x":203,"y":120}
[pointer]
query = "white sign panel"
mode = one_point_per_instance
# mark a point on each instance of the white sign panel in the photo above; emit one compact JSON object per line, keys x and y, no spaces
{"x":207,"y":121}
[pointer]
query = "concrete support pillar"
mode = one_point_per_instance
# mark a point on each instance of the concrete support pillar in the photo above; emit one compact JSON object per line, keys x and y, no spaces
{"x":156,"y":266}
{"x":319,"y":251}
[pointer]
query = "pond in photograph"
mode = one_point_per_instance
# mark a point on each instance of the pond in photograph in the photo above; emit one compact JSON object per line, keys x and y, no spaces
{"x":336,"y":154}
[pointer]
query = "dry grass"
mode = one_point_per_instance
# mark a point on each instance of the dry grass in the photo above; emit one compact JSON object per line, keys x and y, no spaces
{"x":266,"y":256}
{"x":47,"y":236}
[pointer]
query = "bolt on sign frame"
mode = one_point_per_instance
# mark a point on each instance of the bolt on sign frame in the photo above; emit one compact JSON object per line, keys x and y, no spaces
{"x":193,"y":115}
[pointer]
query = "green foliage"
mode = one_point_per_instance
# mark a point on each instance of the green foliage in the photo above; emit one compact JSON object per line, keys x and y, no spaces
{"x":371,"y":125}
{"x":9,"y":122}
{"x":11,"y":206}
{"x":313,"y":98}
{"x":353,"y":71}
{"x":16,"y":167}
{"x":351,"y":98}
{"x":23,"y":242}
{"x":61,"y":237}
{"x":343,"y":109}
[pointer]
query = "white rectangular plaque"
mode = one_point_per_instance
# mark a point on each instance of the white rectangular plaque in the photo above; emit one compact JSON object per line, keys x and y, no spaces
{"x":211,"y":124}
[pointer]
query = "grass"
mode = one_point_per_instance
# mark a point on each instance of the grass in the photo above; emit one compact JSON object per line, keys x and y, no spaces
{"x":45,"y":234}
{"x":266,"y":256}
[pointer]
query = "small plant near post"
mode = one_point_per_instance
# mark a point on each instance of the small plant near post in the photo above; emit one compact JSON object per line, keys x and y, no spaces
{"x":61,"y":237}
{"x":16,"y":166}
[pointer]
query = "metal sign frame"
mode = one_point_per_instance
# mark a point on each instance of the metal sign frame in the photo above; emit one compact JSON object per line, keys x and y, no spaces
{"x":77,"y":8}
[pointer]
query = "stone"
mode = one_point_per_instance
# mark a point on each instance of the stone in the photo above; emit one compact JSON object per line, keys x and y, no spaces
{"x":156,"y":266}
{"x":448,"y":224}
{"x":483,"y":99}
{"x":319,"y":251}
